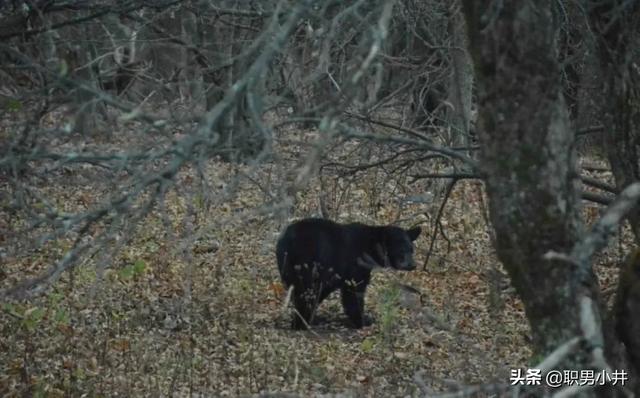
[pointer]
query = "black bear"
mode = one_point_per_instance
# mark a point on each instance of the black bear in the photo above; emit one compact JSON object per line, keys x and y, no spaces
{"x":318,"y":256}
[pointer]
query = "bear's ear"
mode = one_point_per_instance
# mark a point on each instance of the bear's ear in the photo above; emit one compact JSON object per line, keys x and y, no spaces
{"x":414,"y":233}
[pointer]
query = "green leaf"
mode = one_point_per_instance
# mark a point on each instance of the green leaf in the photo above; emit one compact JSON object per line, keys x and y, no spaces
{"x":55,"y":297}
{"x":79,"y":373}
{"x":32,"y":317}
{"x":126,"y":272}
{"x":10,"y":308}
{"x":61,"y":316}
{"x":367,"y":344}
{"x":139,"y":267}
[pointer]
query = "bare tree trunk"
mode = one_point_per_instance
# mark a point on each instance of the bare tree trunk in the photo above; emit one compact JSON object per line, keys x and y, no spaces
{"x":460,"y":83}
{"x":87,"y":112}
{"x":240,"y":139}
{"x":527,"y":155}
{"x":589,"y":98}
{"x":528,"y":158}
{"x":618,"y":37}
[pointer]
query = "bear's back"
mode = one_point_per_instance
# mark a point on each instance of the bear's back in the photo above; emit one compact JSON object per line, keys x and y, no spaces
{"x":321,"y":243}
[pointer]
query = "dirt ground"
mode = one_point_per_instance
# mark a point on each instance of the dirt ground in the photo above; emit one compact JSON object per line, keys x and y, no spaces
{"x":173,"y":316}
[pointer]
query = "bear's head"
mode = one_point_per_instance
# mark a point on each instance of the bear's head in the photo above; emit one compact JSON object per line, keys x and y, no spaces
{"x":398,"y":247}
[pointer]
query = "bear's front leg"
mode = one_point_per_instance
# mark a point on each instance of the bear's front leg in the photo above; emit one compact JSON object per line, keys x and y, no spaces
{"x":353,"y":304}
{"x":305,"y":303}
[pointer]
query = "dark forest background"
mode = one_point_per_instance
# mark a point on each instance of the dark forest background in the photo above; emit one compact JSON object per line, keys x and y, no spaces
{"x":152,"y":151}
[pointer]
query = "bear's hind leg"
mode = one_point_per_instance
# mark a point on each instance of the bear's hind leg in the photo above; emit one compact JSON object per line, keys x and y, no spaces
{"x":353,"y":304}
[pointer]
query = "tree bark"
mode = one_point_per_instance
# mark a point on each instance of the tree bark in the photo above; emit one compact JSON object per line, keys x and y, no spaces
{"x":460,"y":83}
{"x":528,"y":159}
{"x":617,"y":38}
{"x":241,"y":140}
{"x":529,"y":162}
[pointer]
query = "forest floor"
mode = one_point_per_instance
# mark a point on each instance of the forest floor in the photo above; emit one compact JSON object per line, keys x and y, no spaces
{"x":170,"y":316}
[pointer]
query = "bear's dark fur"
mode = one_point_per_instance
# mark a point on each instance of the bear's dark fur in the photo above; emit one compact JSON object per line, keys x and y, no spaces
{"x":318,"y":256}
